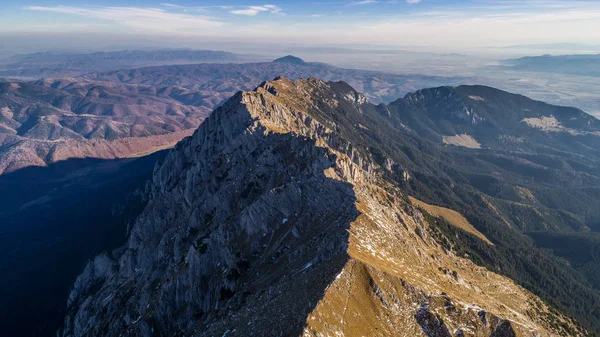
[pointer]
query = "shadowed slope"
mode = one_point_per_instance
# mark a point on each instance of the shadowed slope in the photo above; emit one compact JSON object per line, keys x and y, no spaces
{"x":52,"y":221}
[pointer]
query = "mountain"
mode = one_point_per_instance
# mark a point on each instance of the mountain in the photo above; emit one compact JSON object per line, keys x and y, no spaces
{"x":288,"y":213}
{"x":53,"y":120}
{"x":491,"y":118}
{"x":580,"y":65}
{"x":53,"y":64}
{"x":289,"y":59}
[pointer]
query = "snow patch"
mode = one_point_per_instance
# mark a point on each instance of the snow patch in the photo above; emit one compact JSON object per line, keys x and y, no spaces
{"x":551,"y":124}
{"x":477,"y":98}
{"x":463,"y":140}
{"x":545,"y":123}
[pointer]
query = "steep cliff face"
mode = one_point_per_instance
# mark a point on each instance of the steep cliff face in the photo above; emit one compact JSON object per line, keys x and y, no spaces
{"x":270,"y":221}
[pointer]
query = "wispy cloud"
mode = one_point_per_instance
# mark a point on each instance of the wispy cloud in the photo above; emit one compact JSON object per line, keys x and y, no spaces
{"x":363,"y":2}
{"x":194,"y":8}
{"x":254,"y":10}
{"x":147,"y":19}
{"x":166,"y":4}
{"x":412,"y":2}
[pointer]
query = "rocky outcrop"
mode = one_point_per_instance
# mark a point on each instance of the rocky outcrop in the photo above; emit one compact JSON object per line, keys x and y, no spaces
{"x":271,"y":221}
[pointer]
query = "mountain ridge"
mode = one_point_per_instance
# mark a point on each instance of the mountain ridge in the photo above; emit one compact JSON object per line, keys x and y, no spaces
{"x":494,"y":118}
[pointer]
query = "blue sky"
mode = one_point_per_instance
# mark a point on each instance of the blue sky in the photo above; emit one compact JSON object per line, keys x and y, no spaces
{"x":447,"y":23}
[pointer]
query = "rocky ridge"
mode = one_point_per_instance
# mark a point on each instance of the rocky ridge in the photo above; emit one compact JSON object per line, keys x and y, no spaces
{"x":270,"y":221}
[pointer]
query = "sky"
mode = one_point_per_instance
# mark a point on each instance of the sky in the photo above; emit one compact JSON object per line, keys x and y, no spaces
{"x":450,"y":25}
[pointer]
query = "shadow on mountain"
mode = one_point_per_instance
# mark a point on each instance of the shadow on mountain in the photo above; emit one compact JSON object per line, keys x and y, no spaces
{"x":52,"y":220}
{"x":243,"y":235}
{"x":300,"y":241}
{"x":284,"y":283}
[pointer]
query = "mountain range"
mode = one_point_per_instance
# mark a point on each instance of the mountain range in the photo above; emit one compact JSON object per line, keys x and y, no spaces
{"x":53,"y":120}
{"x":450,"y":211}
{"x":126,"y":113}
{"x":54,"y":64}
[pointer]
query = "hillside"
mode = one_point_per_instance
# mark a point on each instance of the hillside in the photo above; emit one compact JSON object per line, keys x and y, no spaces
{"x":289,"y":59}
{"x":495,"y":119}
{"x":52,"y":220}
{"x":53,"y":120}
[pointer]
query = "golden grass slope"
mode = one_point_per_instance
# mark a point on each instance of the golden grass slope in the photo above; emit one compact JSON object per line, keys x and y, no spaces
{"x":452,"y":217}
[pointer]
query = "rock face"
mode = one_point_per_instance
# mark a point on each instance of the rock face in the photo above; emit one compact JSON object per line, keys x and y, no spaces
{"x":270,"y":221}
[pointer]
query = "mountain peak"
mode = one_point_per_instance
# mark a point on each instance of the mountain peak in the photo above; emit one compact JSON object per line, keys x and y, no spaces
{"x":290,"y":59}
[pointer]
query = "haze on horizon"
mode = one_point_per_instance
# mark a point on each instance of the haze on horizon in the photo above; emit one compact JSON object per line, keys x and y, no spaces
{"x":450,"y":26}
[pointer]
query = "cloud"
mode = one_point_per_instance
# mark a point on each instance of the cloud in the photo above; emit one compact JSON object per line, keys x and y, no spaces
{"x":254,"y":10}
{"x":412,"y":2}
{"x":479,"y":23}
{"x":193,"y":8}
{"x":145,"y":19}
{"x":166,"y":4}
{"x":363,"y":2}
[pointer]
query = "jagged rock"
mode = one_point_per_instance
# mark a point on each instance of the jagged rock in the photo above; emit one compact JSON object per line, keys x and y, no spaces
{"x":431,"y":324}
{"x":504,"y":329}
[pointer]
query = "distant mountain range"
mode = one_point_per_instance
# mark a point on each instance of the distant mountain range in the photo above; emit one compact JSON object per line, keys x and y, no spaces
{"x":52,"y":64}
{"x":128,"y":112}
{"x":52,"y":120}
{"x":580,"y":65}
{"x":225,"y":80}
